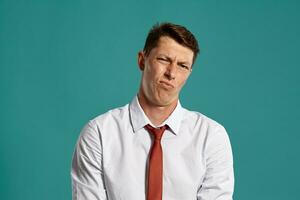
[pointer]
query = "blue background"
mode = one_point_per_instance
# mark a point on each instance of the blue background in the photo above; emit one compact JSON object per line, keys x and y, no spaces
{"x":65,"y":62}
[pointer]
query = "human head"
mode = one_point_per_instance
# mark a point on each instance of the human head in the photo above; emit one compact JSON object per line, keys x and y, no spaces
{"x":177,"y":32}
{"x":166,"y":63}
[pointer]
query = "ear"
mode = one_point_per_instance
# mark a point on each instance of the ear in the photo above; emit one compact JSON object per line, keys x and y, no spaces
{"x":141,"y":60}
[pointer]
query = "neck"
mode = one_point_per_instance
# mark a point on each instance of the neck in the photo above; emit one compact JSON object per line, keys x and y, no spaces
{"x":156,"y":114}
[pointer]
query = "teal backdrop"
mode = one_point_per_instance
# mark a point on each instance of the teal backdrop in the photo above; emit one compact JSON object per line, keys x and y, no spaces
{"x":64,"y":62}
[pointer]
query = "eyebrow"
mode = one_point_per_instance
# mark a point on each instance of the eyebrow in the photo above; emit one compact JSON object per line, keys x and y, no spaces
{"x":170,"y":59}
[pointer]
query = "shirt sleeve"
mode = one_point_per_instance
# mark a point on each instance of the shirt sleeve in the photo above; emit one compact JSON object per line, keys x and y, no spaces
{"x":86,"y":171}
{"x":218,"y":183}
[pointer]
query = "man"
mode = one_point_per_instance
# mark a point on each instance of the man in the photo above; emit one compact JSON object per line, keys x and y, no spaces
{"x":153,"y":148}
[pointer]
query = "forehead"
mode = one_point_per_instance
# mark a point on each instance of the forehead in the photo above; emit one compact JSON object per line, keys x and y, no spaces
{"x":171,"y":48}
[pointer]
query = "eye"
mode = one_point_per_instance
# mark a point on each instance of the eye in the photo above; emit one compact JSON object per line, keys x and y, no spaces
{"x":163,"y":60}
{"x":184,"y":66}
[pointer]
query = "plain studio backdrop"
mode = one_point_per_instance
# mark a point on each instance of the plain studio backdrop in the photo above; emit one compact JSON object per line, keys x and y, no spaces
{"x":64,"y":62}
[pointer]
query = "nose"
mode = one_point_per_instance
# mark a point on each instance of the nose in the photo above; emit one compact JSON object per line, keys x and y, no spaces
{"x":170,"y":73}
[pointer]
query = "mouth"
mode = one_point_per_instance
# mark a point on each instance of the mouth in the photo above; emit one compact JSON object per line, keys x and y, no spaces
{"x":167,"y":84}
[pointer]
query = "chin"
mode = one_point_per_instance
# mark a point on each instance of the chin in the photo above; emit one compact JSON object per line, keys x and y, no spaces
{"x":166,"y":102}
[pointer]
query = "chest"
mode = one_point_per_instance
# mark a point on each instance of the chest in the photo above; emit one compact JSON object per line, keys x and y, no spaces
{"x":125,"y":163}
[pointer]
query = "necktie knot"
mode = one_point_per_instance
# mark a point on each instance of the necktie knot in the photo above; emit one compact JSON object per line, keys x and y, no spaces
{"x":156,"y":132}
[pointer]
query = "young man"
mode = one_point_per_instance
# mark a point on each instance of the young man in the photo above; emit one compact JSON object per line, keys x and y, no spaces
{"x":153,"y":148}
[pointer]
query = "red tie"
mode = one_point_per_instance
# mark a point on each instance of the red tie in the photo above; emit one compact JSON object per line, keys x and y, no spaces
{"x":155,"y":169}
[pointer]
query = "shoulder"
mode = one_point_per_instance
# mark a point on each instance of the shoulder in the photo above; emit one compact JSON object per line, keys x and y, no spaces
{"x":107,"y":121}
{"x":204,"y":127}
{"x":196,"y":119}
{"x":113,"y":116}
{"x":91,"y":133}
{"x":211,"y":133}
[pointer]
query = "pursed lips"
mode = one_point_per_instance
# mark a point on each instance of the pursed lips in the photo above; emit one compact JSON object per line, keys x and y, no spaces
{"x":167,"y":83}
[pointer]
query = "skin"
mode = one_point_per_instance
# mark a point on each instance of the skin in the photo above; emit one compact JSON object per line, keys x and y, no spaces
{"x":164,"y":73}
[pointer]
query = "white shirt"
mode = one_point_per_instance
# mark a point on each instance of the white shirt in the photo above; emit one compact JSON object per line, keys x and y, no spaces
{"x":110,"y":159}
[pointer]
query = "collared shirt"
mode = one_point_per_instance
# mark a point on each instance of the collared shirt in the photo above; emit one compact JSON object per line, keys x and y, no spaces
{"x":111,"y":155}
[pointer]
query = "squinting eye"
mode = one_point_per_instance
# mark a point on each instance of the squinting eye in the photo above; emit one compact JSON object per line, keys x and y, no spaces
{"x":184,"y":66}
{"x":162,"y":59}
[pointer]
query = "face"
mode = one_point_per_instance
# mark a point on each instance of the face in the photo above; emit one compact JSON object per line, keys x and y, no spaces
{"x":165,"y":71}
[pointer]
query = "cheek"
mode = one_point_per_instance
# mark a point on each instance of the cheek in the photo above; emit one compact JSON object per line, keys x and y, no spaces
{"x":154,"y":71}
{"x":149,"y":78}
{"x":149,"y":75}
{"x":182,"y":80}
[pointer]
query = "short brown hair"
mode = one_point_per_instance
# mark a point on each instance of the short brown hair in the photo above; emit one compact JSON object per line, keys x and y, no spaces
{"x":177,"y":32}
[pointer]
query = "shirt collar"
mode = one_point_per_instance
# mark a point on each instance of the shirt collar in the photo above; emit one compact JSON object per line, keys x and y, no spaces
{"x":139,"y":118}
